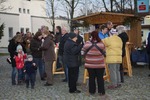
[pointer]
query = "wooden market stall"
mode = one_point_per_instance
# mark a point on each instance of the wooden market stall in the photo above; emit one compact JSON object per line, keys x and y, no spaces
{"x":134,"y":33}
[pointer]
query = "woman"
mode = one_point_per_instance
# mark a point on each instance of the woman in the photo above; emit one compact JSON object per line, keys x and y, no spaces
{"x":71,"y":51}
{"x":37,"y":53}
{"x":48,"y":56}
{"x":124,"y":37}
{"x":94,"y":62}
{"x":113,"y":46}
{"x":13,"y":43}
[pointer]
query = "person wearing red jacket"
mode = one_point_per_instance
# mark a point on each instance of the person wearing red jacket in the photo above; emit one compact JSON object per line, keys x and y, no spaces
{"x":20,"y":62}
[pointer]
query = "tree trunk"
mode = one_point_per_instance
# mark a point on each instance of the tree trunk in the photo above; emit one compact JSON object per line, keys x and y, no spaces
{"x":111,"y":5}
{"x":105,"y":6}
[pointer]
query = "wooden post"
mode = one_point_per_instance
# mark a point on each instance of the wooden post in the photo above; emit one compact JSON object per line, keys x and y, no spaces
{"x":55,"y":63}
{"x":126,"y":60}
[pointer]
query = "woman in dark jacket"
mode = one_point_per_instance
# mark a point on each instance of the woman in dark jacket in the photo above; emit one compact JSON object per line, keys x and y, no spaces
{"x":71,"y":52}
{"x":37,"y":53}
{"x":94,"y":62}
{"x":13,"y":43}
{"x":124,"y":37}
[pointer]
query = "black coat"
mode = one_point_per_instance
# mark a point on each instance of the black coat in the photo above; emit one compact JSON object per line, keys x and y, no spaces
{"x":71,"y":52}
{"x":62,"y":43}
{"x":124,"y":38}
{"x":30,"y":69}
{"x":12,"y":50}
{"x":79,"y":40}
{"x":35,"y":48}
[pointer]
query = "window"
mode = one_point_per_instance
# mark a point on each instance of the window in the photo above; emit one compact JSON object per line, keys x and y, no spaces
{"x":24,"y":11}
{"x":10,"y":30}
{"x":27,"y":29}
{"x":142,"y":22}
{"x":28,"y":11}
{"x":19,"y":10}
{"x":142,"y":33}
{"x":22,"y":30}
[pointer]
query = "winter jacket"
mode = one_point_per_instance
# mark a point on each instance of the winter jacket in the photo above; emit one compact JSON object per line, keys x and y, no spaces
{"x":48,"y":49}
{"x":62,"y":43}
{"x":35,"y":48}
{"x":124,"y":38}
{"x":94,"y":58}
{"x":71,"y":52}
{"x":20,"y":61}
{"x":29,"y":68}
{"x":113,"y":46}
{"x":12,"y":51}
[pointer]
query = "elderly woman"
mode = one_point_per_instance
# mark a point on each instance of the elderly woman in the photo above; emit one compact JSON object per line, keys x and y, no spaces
{"x":94,"y":62}
{"x":113,"y":58}
{"x":124,"y":37}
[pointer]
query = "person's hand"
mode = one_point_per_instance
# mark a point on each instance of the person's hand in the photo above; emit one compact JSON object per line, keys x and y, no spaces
{"x":24,"y":71}
{"x":34,"y":64}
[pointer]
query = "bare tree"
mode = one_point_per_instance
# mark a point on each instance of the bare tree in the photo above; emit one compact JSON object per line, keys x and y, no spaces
{"x":70,"y":6}
{"x":51,"y":10}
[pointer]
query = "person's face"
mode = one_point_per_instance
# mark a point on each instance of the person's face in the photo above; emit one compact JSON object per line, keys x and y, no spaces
{"x":110,"y":26}
{"x":40,"y":37}
{"x":75,"y":39}
{"x":56,"y":30}
{"x":30,"y":59}
{"x":76,"y":31}
{"x":105,"y":30}
{"x":64,"y":31}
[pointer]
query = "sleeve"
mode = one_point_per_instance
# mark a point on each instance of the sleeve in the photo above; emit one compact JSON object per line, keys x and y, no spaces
{"x":33,"y":46}
{"x":76,"y":49}
{"x":47,"y":44}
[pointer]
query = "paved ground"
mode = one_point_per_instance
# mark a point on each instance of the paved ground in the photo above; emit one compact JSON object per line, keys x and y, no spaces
{"x":134,"y":88}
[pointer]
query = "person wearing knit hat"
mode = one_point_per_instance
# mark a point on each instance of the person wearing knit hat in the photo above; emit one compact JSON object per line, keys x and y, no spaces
{"x":72,"y":35}
{"x":113,"y":31}
{"x":30,"y":70}
{"x":70,"y":57}
{"x":19,"y":48}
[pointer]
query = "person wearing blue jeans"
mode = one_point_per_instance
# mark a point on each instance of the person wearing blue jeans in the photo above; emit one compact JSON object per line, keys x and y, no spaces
{"x":13,"y":75}
{"x":20,"y":71}
{"x":40,"y":66}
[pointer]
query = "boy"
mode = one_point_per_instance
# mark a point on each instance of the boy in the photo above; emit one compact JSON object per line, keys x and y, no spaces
{"x":30,"y":70}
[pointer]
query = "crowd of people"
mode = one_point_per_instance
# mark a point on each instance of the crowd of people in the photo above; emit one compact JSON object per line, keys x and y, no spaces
{"x":105,"y":46}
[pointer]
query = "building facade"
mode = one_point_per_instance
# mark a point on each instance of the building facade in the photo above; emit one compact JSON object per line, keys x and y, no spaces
{"x":24,"y":15}
{"x":145,"y":28}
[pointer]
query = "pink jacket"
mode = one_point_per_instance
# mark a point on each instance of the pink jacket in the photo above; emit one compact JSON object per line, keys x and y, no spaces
{"x":94,"y":58}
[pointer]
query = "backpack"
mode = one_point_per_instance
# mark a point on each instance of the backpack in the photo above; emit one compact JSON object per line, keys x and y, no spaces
{"x":95,"y":44}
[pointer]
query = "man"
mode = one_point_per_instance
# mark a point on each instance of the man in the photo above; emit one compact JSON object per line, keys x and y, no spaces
{"x":103,"y":33}
{"x":63,"y":39}
{"x":78,"y":41}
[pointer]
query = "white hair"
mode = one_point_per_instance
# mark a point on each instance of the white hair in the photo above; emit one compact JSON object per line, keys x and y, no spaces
{"x":120,"y":29}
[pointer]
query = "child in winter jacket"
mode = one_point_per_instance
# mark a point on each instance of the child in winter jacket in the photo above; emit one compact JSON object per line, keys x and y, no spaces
{"x":30,"y":70}
{"x":20,"y":62}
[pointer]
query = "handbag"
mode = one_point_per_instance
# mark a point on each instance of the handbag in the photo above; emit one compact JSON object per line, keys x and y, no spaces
{"x":8,"y":60}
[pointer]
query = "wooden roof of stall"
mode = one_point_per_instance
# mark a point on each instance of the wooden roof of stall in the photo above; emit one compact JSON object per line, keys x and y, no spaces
{"x":117,"y":18}
{"x":103,"y":17}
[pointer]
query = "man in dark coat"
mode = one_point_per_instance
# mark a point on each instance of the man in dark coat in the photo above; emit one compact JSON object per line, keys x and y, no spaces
{"x":61,"y":51}
{"x":71,"y":52}
{"x":124,"y":37}
{"x":148,"y":49}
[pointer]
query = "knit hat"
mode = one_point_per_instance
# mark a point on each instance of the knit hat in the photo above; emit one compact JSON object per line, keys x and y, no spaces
{"x":19,"y":47}
{"x":72,"y":35}
{"x":29,"y":56}
{"x":113,"y":31}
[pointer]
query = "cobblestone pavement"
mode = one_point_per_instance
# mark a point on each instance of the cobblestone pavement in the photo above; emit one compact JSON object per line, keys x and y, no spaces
{"x":134,"y":88}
